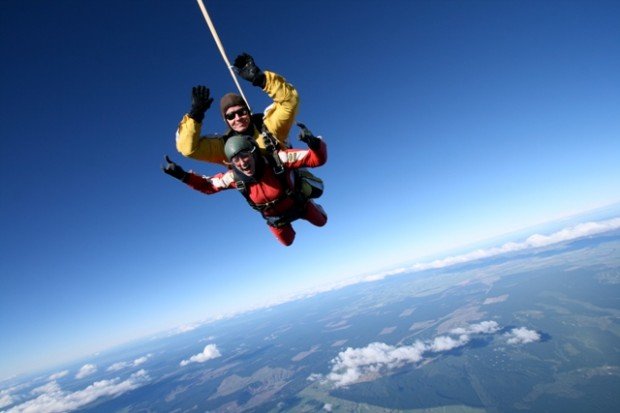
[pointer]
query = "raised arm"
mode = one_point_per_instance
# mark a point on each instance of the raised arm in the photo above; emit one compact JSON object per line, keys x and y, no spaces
{"x":280,"y":115}
{"x":315,"y":155}
{"x":188,"y":140}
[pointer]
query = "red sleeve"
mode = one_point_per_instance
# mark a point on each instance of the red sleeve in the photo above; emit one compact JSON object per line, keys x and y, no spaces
{"x":210,"y":184}
{"x":298,"y":158}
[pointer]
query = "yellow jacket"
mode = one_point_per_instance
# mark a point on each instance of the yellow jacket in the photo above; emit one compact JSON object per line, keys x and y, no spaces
{"x":278,"y":118}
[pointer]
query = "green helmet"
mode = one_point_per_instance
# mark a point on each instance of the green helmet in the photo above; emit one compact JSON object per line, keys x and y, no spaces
{"x":238,"y":143}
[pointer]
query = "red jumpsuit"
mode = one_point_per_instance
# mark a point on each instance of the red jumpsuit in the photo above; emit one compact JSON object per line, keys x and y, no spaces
{"x":268,"y":188}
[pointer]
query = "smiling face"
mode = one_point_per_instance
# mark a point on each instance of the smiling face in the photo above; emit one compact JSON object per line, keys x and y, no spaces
{"x":238,"y":118}
{"x":245,"y":163}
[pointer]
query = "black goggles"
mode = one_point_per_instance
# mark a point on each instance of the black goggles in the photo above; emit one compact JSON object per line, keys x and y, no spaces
{"x":241,"y":112}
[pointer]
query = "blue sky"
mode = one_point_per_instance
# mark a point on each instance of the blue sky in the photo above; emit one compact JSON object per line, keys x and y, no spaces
{"x":447,"y":123}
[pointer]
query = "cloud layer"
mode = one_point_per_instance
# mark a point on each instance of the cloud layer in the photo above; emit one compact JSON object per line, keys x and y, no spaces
{"x":368,"y":363}
{"x":52,"y":399}
{"x":210,"y":352}
{"x":5,"y":400}
{"x":534,"y":241}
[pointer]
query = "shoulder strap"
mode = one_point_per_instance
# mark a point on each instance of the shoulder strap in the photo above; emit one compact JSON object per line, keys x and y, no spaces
{"x":271,"y":148}
{"x":257,"y":120}
{"x":243,"y":189}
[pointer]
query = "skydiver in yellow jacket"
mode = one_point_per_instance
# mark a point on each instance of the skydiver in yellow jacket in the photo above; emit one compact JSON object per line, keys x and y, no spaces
{"x":278,"y":118}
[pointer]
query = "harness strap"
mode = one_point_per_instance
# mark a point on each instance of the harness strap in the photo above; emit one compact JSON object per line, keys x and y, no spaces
{"x":274,"y":161}
{"x":294,"y":213}
{"x":299,"y":204}
{"x":264,"y":206}
{"x":271,"y":148}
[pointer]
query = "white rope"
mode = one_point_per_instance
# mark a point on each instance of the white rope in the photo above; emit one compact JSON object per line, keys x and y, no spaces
{"x":221,"y":47}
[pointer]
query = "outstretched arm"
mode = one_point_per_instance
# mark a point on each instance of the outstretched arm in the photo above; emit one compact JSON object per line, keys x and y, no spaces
{"x":211,"y":184}
{"x":174,"y":170}
{"x":205,"y":184}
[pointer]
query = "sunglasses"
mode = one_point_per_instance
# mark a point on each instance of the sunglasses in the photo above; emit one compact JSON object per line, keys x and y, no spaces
{"x":231,"y":115}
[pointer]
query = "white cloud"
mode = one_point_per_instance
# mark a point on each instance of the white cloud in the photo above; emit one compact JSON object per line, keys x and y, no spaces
{"x":210,"y":352}
{"x":8,"y":396}
{"x":59,"y":375}
{"x":86,"y":370}
{"x":188,"y":327}
{"x":119,"y":366}
{"x":314,"y":377}
{"x":328,"y":407}
{"x":50,"y":387}
{"x":446,"y":343}
{"x":534,"y":241}
{"x":6,"y":400}
{"x":55,"y":400}
{"x":140,"y":360}
{"x":183,"y":329}
{"x":522,"y":335}
{"x":355,"y":365}
{"x":495,"y":300}
{"x":484,"y":327}
{"x":368,"y":363}
{"x":578,"y":231}
{"x":125,"y":364}
{"x":382,"y":275}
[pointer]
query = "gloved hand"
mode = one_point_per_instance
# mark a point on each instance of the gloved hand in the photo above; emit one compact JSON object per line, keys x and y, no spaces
{"x":201,"y":101}
{"x":247,"y":69}
{"x":308,"y":138}
{"x":174,"y":170}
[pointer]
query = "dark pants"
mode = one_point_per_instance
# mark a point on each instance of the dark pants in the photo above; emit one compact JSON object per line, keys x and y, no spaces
{"x":313,"y":214}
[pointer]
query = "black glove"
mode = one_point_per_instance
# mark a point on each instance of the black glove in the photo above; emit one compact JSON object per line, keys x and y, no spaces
{"x":308,"y":138}
{"x":201,"y":101}
{"x":174,"y":170}
{"x":248,"y":70}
